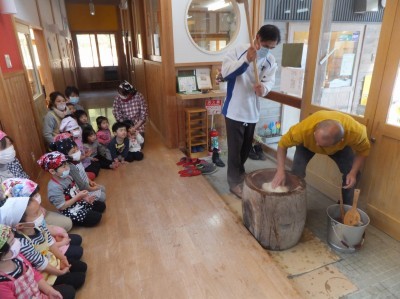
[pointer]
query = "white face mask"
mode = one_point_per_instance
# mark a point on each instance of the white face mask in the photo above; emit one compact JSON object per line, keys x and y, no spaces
{"x":7,"y":155}
{"x":76,"y":156}
{"x":15,"y":249}
{"x":39,"y":221}
{"x":76,"y":133}
{"x":61,"y":106}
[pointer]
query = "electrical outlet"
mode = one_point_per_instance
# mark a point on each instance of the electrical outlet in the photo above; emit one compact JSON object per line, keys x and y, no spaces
{"x":8,"y":61}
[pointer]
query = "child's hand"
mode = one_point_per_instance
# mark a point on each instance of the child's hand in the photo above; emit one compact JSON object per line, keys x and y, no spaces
{"x":87,"y":153}
{"x":63,"y":242}
{"x":89,"y":199}
{"x":92,"y":183}
{"x":64,"y":264}
{"x":64,"y":271}
{"x":95,"y":159}
{"x":123,"y":161}
{"x":54,"y":294}
{"x":82,"y":194}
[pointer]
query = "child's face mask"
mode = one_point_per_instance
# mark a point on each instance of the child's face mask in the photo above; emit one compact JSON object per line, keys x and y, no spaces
{"x":15,"y":249}
{"x":74,"y":100}
{"x":7,"y":155}
{"x":76,"y":156}
{"x":76,"y":133}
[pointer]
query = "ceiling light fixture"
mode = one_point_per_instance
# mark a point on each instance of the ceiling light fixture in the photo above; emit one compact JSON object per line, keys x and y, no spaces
{"x":91,"y":8}
{"x":217,"y":5}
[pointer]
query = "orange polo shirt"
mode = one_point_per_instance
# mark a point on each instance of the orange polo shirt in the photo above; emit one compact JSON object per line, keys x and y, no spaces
{"x":355,"y":134}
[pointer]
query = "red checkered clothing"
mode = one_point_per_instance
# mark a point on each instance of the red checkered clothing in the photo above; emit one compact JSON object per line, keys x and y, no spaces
{"x":133,"y":108}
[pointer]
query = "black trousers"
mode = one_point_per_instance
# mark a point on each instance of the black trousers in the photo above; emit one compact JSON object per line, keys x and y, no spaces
{"x":76,"y":275}
{"x":240,"y":139}
{"x":343,"y":159}
{"x":74,"y":251}
{"x":93,"y":216}
{"x":67,"y":291}
{"x":134,"y":156}
{"x":94,"y":167}
{"x":104,"y":162}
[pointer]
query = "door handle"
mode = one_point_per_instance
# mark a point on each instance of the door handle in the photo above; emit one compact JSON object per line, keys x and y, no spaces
{"x":373,"y":139}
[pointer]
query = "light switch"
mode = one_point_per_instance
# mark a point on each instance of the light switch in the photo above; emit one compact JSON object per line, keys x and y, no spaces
{"x":8,"y":61}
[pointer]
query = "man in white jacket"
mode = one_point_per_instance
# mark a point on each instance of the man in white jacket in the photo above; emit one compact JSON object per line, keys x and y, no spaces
{"x":242,"y":106}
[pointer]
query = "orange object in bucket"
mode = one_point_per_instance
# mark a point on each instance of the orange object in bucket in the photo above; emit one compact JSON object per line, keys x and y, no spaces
{"x":352,"y":217}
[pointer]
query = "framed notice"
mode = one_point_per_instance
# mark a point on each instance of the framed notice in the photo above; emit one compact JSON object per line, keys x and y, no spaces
{"x":203,"y":78}
{"x":187,"y":84}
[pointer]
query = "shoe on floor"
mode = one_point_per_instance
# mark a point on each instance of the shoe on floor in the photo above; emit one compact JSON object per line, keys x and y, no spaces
{"x":259,"y":152}
{"x":216,"y":160}
{"x":253,"y":154}
{"x":206,"y":168}
{"x":237,"y":190}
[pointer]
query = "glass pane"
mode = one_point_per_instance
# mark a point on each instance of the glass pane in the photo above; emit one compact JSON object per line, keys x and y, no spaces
{"x":108,"y":54}
{"x":87,"y":50}
{"x":154,"y":19}
{"x":394,"y":110}
{"x":346,"y":59}
{"x":29,"y":65}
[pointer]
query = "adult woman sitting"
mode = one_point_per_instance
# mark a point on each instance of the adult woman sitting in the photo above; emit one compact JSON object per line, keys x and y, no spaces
{"x":57,"y":111}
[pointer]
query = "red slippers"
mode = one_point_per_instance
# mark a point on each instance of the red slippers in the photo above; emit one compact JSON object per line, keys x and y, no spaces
{"x":189,"y":172}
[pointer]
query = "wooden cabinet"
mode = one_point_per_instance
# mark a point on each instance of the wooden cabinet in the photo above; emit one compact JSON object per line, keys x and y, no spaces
{"x":196,"y":123}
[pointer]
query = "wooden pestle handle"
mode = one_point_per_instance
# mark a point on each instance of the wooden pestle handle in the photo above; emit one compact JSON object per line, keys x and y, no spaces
{"x":246,"y":8}
{"x":355,"y":198}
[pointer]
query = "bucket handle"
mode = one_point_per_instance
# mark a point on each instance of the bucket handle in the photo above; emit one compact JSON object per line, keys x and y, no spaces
{"x":356,"y":247}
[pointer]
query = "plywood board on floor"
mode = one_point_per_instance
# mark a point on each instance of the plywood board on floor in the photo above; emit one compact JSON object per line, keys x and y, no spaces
{"x":324,"y":283}
{"x":306,"y":256}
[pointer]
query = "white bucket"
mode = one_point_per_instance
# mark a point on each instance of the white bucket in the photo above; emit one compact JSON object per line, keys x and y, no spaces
{"x":345,"y":238}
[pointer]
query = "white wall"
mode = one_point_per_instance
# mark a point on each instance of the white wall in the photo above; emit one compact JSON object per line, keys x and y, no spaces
{"x":184,"y":49}
{"x":27,"y":11}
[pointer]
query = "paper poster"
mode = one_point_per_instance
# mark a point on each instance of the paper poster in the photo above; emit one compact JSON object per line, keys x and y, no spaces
{"x":203,"y":78}
{"x":346,"y":69}
{"x":213,"y":106}
{"x":292,"y":81}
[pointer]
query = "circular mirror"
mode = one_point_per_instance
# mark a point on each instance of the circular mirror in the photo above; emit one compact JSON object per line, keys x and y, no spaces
{"x":212,"y":24}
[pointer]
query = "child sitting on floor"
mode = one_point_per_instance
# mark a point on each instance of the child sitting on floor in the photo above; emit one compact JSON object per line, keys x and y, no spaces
{"x":135,"y":141}
{"x":103,"y":134}
{"x":98,"y":151}
{"x":82,"y":119}
{"x":119,"y":145}
{"x":37,"y":245}
{"x":71,"y":126}
{"x":18,"y":279}
{"x":65,"y":195}
{"x":65,"y":145}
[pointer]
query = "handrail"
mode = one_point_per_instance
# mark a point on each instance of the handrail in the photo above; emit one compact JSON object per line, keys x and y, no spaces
{"x":284,"y":99}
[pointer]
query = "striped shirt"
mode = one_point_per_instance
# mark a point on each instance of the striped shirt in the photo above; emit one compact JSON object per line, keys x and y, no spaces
{"x":36,"y":258}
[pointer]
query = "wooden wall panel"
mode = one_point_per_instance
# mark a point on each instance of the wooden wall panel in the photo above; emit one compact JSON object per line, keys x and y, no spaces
{"x":155,"y":97}
{"x":21,"y":124}
{"x":58,"y":75}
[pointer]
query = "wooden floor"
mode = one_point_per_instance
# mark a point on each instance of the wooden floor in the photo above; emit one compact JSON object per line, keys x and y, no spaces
{"x":163,"y":236}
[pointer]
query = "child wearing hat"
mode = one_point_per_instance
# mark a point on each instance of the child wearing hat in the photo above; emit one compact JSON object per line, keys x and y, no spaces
{"x":18,"y":279}
{"x":66,"y":196}
{"x":19,"y":188}
{"x":10,"y":167}
{"x":37,"y":244}
{"x":70,"y":125}
{"x":67,"y":146}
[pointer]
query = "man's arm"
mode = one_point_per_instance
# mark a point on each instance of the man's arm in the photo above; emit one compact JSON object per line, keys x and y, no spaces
{"x":280,"y":176}
{"x":351,"y":177}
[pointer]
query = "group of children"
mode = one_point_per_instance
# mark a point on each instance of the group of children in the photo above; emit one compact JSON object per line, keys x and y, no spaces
{"x":38,"y":258}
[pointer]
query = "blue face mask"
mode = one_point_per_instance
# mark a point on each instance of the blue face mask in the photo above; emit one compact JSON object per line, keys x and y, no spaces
{"x":74,"y":100}
{"x":262,"y":53}
{"x":64,"y":174}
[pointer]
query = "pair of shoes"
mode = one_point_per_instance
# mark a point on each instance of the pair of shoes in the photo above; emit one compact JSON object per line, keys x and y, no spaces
{"x":252,"y":154}
{"x":189,"y":172}
{"x":215,"y":158}
{"x":197,"y":149}
{"x":206,"y":168}
{"x":259,"y":152}
{"x":237,"y":190}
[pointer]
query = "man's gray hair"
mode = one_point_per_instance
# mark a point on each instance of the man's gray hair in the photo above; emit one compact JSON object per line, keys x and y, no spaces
{"x":331,"y":129}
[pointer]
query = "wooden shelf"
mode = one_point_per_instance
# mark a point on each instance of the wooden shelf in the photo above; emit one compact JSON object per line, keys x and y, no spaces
{"x":211,"y":94}
{"x":196,"y":131}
